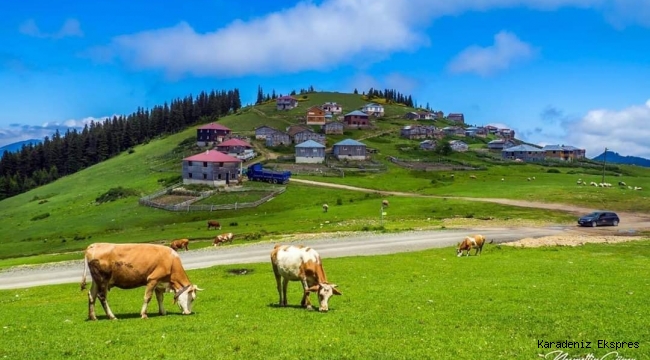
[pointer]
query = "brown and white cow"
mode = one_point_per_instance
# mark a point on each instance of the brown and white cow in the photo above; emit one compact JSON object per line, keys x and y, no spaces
{"x":128,"y":266}
{"x":299,"y":263}
{"x":214,"y":224}
{"x":180,"y":244}
{"x":222,"y":239}
{"x":471,"y":242}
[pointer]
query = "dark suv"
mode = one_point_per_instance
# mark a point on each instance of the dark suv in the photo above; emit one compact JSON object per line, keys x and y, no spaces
{"x":599,"y":218}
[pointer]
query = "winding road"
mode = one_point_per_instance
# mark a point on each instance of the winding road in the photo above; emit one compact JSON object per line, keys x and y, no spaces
{"x":333,"y":245}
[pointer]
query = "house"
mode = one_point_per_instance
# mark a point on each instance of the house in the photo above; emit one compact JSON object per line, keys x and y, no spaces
{"x":438,"y":114}
{"x":373,"y":109}
{"x":473,"y":131}
{"x":349,"y":149}
{"x":315,"y":116}
{"x":334,"y":127}
{"x":428,"y":144}
{"x":234,"y":147}
{"x":506,"y":133}
{"x":523,"y":152}
{"x":453,"y":131}
{"x":211,"y":167}
{"x":458,"y":145}
{"x":563,"y":152}
{"x":500,"y":144}
{"x":310,"y":152}
{"x":356,"y":119}
{"x":277,"y":139}
{"x":286,"y":102}
{"x":332,"y":108}
{"x":418,"y":132}
{"x":294,"y":129}
{"x":308,"y":134}
{"x":492,"y":129}
{"x":261,"y":132}
{"x":425,"y":115}
{"x":412,"y":115}
{"x":456,"y":117}
{"x":211,"y":134}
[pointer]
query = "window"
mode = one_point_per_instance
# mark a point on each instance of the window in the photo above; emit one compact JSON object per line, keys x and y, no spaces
{"x":189,"y":163}
{"x":205,"y":164}
{"x":205,"y":176}
{"x":189,"y":175}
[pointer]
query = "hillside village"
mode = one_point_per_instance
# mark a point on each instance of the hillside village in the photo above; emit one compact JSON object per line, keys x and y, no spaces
{"x":318,"y":136}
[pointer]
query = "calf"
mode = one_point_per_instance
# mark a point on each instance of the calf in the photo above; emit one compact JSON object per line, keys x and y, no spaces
{"x":299,"y":263}
{"x":325,"y":207}
{"x":384,"y":203}
{"x":128,"y":266}
{"x":222,"y":239}
{"x":180,"y":244}
{"x":214,"y":224}
{"x":471,"y":242}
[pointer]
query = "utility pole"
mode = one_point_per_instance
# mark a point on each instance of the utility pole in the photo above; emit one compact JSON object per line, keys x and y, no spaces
{"x":604,"y":162}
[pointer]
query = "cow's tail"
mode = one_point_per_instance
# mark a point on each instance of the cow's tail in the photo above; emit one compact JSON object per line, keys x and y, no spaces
{"x":83,"y":277}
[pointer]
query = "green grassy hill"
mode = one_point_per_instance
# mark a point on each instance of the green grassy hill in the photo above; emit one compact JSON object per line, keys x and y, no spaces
{"x":64,"y":216}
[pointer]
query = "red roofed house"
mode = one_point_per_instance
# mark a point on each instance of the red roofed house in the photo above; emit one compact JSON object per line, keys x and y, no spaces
{"x":211,"y":167}
{"x":211,"y":134}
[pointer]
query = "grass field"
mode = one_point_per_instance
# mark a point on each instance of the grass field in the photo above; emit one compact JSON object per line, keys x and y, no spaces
{"x":423,"y":305}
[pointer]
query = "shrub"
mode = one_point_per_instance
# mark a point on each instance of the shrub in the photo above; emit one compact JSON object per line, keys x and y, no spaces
{"x":234,"y":223}
{"x":41,"y":216}
{"x":339,"y":201}
{"x":115,"y":194}
{"x":553,"y":171}
{"x":131,"y":150}
{"x":168,"y":181}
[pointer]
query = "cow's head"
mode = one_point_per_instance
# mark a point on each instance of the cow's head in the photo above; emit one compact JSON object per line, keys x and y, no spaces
{"x":324,"y":291}
{"x":184,"y":298}
{"x":461,"y":246}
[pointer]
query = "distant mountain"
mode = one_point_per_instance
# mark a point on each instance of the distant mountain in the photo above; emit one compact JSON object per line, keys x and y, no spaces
{"x":18,"y":145}
{"x":616,"y":158}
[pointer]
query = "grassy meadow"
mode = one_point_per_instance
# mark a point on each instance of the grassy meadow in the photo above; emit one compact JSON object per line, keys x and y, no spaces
{"x":422,"y":305}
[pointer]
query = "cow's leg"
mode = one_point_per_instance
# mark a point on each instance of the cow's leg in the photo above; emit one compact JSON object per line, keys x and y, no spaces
{"x":285,"y":285}
{"x":148,"y":292}
{"x":103,"y":294}
{"x":92,"y":296}
{"x":160,"y":293}
{"x":306,"y":302}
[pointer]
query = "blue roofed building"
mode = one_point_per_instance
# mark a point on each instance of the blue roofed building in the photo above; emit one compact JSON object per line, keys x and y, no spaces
{"x":349,"y":149}
{"x":523,"y":152}
{"x":310,"y":152}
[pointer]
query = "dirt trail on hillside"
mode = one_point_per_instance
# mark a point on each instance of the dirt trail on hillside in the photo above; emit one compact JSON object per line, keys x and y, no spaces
{"x":631,"y":223}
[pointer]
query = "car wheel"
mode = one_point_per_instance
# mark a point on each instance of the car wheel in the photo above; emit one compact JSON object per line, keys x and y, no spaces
{"x":615,"y":223}
{"x":593,"y":224}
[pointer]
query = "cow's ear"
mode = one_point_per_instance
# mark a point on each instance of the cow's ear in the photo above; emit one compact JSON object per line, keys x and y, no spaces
{"x":313,"y":288}
{"x":197,"y":288}
{"x":335,"y":290}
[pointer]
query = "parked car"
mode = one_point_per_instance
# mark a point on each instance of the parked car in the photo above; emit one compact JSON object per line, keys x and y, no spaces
{"x":598,"y":218}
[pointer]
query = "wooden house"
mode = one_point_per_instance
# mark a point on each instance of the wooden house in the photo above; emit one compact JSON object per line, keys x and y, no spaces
{"x":412,"y":115}
{"x":237,"y":148}
{"x":356,"y":119}
{"x":286,"y":103}
{"x":373,"y":109}
{"x":349,"y":149}
{"x":458,"y":145}
{"x":333,"y":127}
{"x":308,"y":134}
{"x":315,"y":116}
{"x":563,"y":152}
{"x":418,"y":132}
{"x":277,"y":139}
{"x":211,"y":134}
{"x":523,"y":153}
{"x":500,"y":144}
{"x":310,"y":152}
{"x":211,"y":167}
{"x":428,"y":144}
{"x":261,"y":132}
{"x":456,"y":117}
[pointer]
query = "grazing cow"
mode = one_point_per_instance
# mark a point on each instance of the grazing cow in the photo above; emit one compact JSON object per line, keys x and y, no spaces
{"x":472,"y":176}
{"x":128,"y":266}
{"x":471,"y":242}
{"x":222,"y":239}
{"x":214,"y":224}
{"x":180,"y":244}
{"x":384,"y":203}
{"x":325,"y":207}
{"x":299,"y":263}
{"x":621,"y":183}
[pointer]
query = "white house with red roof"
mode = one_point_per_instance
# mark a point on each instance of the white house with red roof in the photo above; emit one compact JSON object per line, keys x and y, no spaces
{"x":211,"y":134}
{"x":211,"y":167}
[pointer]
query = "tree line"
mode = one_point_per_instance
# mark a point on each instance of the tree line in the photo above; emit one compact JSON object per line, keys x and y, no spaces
{"x":65,"y":154}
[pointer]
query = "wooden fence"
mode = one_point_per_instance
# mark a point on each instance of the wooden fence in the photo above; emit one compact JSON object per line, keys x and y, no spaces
{"x":187,"y":205}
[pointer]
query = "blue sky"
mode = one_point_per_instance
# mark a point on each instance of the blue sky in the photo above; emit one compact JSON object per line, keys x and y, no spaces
{"x":569,"y":72}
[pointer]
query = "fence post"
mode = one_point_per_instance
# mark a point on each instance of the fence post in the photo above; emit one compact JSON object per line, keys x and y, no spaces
{"x":235,"y":205}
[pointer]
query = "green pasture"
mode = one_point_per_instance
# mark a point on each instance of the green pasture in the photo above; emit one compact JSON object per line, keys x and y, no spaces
{"x":422,"y":305}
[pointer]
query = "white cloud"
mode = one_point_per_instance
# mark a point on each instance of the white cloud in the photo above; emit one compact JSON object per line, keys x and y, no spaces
{"x":400,"y":82}
{"x":17,"y":132}
{"x":624,"y":131}
{"x":70,"y":27}
{"x":321,"y":36}
{"x":506,"y":50}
